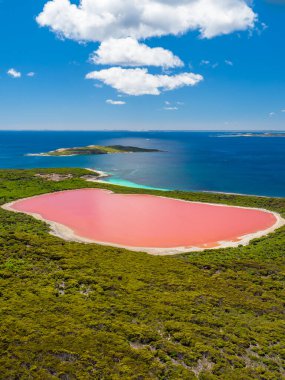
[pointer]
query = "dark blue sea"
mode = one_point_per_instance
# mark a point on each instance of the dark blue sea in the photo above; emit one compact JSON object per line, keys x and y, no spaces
{"x":198,"y":161}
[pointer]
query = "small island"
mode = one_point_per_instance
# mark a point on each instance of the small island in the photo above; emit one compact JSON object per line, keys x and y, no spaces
{"x":96,"y":150}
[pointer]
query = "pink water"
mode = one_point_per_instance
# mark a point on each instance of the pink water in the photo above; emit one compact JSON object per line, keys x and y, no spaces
{"x":145,"y":220}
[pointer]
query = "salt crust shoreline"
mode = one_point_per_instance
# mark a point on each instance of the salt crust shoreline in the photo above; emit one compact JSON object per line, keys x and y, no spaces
{"x":68,"y":234}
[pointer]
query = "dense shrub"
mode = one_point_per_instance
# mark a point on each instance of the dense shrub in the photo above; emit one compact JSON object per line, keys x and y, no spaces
{"x":83,"y":311}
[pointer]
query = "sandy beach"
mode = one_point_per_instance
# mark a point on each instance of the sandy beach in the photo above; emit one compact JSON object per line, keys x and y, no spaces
{"x":98,"y":177}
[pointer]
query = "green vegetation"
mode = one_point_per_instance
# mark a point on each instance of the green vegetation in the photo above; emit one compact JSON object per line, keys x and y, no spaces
{"x":97,"y":149}
{"x":83,"y":311}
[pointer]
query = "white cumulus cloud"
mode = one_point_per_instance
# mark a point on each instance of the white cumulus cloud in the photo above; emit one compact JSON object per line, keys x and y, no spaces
{"x":119,"y":25}
{"x":129,"y":52}
{"x":14,"y":73}
{"x":99,"y":20}
{"x":115,"y":102}
{"x":140,"y":82}
{"x":31,"y":74}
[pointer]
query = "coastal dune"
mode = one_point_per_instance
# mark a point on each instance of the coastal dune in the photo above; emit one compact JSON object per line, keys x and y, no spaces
{"x":152,"y":224}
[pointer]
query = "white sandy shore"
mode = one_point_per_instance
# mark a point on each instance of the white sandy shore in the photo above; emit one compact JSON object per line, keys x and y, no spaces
{"x":96,"y":178}
{"x":68,"y":234}
{"x":129,"y":184}
{"x":49,"y":153}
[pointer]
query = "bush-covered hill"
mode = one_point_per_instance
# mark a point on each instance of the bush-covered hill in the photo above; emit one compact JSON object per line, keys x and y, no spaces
{"x":76,"y":311}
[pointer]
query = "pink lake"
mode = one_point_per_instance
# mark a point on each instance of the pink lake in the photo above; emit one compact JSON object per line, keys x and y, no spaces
{"x":145,"y":221}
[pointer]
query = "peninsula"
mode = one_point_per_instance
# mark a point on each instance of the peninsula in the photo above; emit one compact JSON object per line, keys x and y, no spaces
{"x":96,"y":150}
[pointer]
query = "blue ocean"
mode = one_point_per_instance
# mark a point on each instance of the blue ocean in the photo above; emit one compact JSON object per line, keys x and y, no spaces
{"x":193,"y":161}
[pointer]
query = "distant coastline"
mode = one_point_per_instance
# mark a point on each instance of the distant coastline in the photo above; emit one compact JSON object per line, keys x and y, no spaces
{"x":255,"y":134}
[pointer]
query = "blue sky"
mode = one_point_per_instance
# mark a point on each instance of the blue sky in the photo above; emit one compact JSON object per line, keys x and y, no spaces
{"x":243,"y":70}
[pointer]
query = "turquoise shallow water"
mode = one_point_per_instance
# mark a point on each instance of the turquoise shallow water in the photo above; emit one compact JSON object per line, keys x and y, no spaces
{"x":191,"y":161}
{"x":123,"y":182}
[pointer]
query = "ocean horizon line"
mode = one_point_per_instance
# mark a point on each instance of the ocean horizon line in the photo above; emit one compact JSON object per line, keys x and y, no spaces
{"x":144,"y":130}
